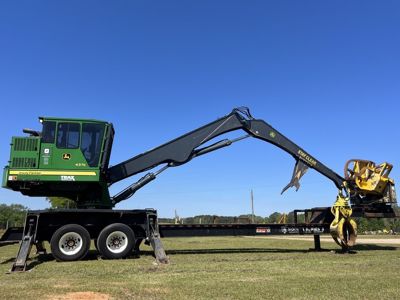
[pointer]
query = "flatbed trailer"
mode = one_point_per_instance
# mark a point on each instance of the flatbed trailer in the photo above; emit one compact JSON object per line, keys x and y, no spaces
{"x":45,"y":225}
{"x":189,"y":230}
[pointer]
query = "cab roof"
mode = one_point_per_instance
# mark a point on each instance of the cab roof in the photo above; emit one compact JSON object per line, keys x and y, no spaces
{"x":41,"y":119}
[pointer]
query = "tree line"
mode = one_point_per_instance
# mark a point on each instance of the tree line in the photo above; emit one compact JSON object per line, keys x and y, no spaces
{"x":364,"y":224}
{"x":14,"y":215}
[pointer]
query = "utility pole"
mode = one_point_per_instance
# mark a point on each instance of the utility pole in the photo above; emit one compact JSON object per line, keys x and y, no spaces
{"x":252,"y":206}
{"x":177,"y":219}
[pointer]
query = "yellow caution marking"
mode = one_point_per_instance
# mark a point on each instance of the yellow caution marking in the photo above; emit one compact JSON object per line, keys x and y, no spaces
{"x":32,"y":172}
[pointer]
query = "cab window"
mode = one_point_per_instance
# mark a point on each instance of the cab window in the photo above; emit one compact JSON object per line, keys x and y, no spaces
{"x":92,"y":139}
{"x":48,"y":132}
{"x":68,"y":135}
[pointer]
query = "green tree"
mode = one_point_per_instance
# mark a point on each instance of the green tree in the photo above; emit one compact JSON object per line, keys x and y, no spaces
{"x":274,"y":217}
{"x":395,"y":225}
{"x":372,"y":224}
{"x":60,"y":202}
{"x":362,"y":225}
{"x":301,"y":218}
{"x":12,"y":215}
{"x":257,"y":219}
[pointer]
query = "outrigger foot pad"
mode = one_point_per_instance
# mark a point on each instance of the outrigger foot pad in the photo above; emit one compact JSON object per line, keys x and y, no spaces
{"x":158,"y":249}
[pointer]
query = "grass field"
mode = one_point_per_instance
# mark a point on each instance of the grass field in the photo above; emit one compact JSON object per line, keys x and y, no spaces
{"x":214,"y":268}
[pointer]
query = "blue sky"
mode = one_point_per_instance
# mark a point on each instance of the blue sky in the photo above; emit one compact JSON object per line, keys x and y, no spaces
{"x":326,"y":74}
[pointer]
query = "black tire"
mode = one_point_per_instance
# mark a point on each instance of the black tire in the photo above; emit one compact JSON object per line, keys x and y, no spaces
{"x":116,"y":241}
{"x":70,"y":242}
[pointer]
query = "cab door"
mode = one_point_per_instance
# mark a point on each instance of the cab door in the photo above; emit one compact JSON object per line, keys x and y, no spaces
{"x":67,"y":153}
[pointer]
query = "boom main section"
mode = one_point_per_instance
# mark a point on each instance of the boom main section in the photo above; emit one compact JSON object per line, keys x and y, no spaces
{"x":186,"y":147}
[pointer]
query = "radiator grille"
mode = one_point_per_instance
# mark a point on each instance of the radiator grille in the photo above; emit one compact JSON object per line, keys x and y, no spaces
{"x":25,"y":144}
{"x":23,"y":162}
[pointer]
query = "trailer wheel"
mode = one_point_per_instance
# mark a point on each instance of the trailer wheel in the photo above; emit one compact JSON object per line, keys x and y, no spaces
{"x":116,"y":241}
{"x":70,"y":242}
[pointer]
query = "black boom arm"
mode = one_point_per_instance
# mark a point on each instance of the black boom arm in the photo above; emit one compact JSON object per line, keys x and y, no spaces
{"x":186,"y":147}
{"x":262,"y":130}
{"x":177,"y":151}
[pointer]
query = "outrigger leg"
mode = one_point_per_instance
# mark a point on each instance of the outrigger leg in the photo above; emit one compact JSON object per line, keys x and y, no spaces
{"x":25,"y":247}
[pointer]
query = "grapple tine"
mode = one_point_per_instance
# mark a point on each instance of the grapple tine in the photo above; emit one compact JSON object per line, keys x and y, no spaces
{"x":343,"y":229}
{"x":299,"y":170}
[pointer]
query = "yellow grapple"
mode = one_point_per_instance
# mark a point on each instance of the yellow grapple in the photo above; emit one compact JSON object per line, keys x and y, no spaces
{"x":343,"y":229}
{"x":362,"y":178}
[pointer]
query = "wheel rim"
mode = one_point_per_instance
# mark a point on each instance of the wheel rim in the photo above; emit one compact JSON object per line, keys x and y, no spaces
{"x":70,"y":243}
{"x":117,"y":241}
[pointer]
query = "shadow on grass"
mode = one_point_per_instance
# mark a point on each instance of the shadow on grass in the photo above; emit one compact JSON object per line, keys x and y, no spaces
{"x":353,"y":250}
{"x":94,"y":255}
{"x":371,"y":247}
{"x":7,"y":261}
{"x":365,"y":247}
{"x":230,"y":250}
{"x":36,"y":260}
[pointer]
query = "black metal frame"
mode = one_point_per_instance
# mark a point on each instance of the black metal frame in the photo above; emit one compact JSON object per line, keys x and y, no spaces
{"x":186,"y":147}
{"x":188,"y":230}
{"x":40,"y":226}
{"x":183,"y":148}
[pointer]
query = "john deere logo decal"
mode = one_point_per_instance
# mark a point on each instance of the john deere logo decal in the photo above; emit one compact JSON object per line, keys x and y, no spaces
{"x":272,"y":134}
{"x":66,"y":156}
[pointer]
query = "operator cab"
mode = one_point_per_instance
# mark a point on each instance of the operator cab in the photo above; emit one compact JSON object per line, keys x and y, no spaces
{"x":68,"y":158}
{"x":74,"y":143}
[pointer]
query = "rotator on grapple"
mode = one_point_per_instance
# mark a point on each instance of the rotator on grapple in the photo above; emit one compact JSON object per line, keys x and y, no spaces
{"x":365,"y":184}
{"x":70,"y":158}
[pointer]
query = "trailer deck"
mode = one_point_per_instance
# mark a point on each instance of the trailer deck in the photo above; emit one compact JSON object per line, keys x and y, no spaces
{"x":41,"y":225}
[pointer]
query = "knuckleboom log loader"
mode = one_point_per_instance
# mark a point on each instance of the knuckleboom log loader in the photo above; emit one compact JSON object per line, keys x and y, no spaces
{"x":70,"y":158}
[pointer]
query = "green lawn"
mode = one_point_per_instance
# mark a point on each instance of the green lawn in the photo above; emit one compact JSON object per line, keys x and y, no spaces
{"x":215,"y":268}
